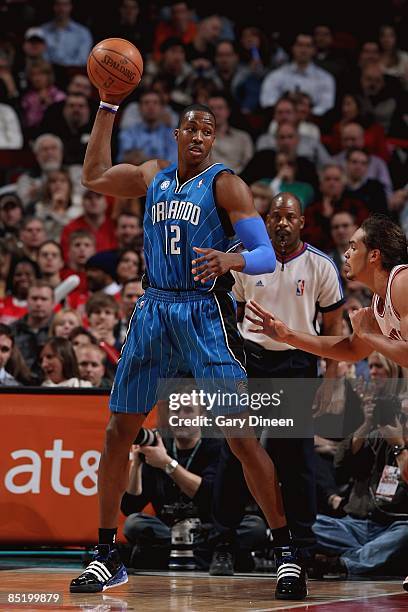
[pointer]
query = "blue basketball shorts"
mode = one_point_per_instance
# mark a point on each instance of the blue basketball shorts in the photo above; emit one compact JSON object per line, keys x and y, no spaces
{"x":175,"y":335}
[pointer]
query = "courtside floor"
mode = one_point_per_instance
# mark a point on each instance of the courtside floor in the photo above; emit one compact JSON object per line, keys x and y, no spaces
{"x":197,"y":592}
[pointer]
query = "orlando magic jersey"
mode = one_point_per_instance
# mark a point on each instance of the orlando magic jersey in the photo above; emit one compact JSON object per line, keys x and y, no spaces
{"x":177,"y":218}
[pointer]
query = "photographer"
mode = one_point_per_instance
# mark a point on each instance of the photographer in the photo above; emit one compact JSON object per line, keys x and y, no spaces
{"x":372,"y":537}
{"x":176,"y":472}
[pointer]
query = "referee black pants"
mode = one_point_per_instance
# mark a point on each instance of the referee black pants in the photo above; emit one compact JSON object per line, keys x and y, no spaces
{"x":294,"y":458}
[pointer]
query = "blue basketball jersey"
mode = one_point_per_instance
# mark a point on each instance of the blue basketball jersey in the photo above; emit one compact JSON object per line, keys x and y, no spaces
{"x":177,"y":218}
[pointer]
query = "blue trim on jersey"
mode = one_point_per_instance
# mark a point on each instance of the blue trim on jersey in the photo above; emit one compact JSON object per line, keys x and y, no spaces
{"x":313,"y":249}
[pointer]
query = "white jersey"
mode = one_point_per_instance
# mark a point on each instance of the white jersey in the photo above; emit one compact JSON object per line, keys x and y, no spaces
{"x":387,"y":317}
{"x":309,"y":283}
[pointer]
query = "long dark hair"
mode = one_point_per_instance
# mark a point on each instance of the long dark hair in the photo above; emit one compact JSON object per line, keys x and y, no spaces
{"x":63,"y":349}
{"x":16,"y":366}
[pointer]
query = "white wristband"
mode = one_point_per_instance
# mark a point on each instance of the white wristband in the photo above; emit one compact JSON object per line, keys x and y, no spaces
{"x":111,"y":108}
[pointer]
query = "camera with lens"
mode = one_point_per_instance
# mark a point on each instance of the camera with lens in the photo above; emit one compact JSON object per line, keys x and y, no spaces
{"x":386,"y":410}
{"x":146,"y":437}
{"x":185,"y":526}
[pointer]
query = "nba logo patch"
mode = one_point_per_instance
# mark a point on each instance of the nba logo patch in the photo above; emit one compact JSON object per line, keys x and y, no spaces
{"x":164,"y":185}
{"x":300,"y":287}
{"x":200,"y":182}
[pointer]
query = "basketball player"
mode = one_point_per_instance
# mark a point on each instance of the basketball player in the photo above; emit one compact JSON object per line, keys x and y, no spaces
{"x":185,"y":321}
{"x":377,"y":256}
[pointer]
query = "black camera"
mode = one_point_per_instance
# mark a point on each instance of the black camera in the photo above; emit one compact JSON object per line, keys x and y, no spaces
{"x":386,"y":410}
{"x":146,"y":437}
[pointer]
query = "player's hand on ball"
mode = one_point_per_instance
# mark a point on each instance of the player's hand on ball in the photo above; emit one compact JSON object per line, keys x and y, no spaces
{"x":214,"y":263}
{"x":267,"y":323}
{"x":117,"y":99}
{"x":363,"y":322}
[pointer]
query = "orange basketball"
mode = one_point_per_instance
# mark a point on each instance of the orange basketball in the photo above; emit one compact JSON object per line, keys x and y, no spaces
{"x":115,"y":65}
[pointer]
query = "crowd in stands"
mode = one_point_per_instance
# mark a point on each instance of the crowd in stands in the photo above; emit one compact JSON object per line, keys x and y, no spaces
{"x":321,"y":114}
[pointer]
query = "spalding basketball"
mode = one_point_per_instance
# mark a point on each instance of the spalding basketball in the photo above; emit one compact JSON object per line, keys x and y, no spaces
{"x":115,"y":65}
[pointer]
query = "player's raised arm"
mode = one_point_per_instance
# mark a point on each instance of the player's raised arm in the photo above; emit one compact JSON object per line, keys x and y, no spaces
{"x":340,"y":348}
{"x":98,"y":174}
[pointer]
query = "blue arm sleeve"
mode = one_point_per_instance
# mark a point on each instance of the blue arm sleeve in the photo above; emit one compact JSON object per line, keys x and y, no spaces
{"x":253,"y":235}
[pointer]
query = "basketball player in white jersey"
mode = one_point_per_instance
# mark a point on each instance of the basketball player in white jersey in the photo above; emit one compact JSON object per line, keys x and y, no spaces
{"x":378,"y":257}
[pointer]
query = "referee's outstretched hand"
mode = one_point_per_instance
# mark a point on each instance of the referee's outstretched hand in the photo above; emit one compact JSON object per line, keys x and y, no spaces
{"x":267,"y":323}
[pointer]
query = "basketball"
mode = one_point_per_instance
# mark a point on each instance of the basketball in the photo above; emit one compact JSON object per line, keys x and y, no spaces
{"x":115,"y":65}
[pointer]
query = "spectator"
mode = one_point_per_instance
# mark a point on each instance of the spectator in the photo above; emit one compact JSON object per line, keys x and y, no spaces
{"x":175,"y":70}
{"x":232,"y":147}
{"x":51,"y":262}
{"x":230,"y":76}
{"x":384,"y":98}
{"x":342,"y":227}
{"x":352,"y":136}
{"x":150,"y":138}
{"x":103,"y":313}
{"x":193,"y":462}
{"x":72,"y":122}
{"x":9,"y":93}
{"x":129,"y":231}
{"x":180,"y":25}
{"x":68,"y":42}
{"x":94,"y":220}
{"x":393,"y":60}
{"x":64,"y":322}
{"x":11,"y":135}
{"x":130,"y":25}
{"x":359,"y":186}
{"x":163,"y":87}
{"x":20,"y":278}
{"x":13,"y":370}
{"x":351,"y":113}
{"x":34,"y":49}
{"x":300,"y":75}
{"x":11,"y":215}
{"x":304,"y":115}
{"x":81,"y":248}
{"x":262,"y":195}
{"x":56,"y":208}
{"x":100,"y":274}
{"x":91,"y":366}
{"x":31,"y":331}
{"x":129,"y":294}
{"x":48,"y":150}
{"x":373,"y":536}
{"x":80,"y":337}
{"x":129,"y":265}
{"x":32,"y":235}
{"x":59,"y":365}
{"x":263,"y":163}
{"x":332,"y":200}
{"x":41,"y":94}
{"x":201,"y":51}
{"x":284,"y":180}
{"x":327,"y":56}
{"x":309,"y":146}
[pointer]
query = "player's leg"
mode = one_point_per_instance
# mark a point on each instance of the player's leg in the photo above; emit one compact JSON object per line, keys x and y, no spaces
{"x":133,"y":395}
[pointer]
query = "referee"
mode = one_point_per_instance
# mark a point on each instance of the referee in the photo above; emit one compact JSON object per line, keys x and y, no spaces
{"x":304,"y":283}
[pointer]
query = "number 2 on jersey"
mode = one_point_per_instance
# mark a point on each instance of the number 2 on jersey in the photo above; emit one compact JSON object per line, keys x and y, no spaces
{"x":173,"y":236}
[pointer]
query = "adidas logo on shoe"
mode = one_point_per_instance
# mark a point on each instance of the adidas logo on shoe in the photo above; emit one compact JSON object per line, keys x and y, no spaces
{"x":105,"y":571}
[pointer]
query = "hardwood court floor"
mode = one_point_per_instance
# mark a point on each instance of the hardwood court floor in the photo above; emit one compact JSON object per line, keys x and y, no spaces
{"x":198,"y":592}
